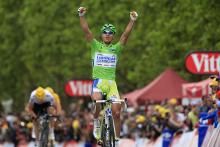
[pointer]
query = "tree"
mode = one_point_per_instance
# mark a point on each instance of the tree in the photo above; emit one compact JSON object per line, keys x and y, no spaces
{"x":41,"y":43}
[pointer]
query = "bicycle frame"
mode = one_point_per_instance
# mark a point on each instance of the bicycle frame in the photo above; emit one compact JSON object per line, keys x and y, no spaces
{"x":108,"y":113}
{"x":44,"y":130}
{"x":44,"y":121}
{"x":108,"y":128}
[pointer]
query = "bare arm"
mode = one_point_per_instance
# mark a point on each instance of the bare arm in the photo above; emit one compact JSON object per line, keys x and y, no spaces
{"x":58,"y":106}
{"x":29,"y":109}
{"x":84,"y":25}
{"x":126,"y":33}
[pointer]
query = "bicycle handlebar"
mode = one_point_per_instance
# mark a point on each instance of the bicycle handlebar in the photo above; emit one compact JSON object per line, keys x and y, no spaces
{"x":114,"y":101}
{"x":111,"y":101}
{"x":48,"y":116}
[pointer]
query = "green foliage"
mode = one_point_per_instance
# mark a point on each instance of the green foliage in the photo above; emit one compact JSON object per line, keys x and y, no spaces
{"x":41,"y":42}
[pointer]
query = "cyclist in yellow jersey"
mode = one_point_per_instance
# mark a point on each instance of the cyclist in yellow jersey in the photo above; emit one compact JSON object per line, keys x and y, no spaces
{"x":57,"y":100}
{"x":41,"y":102}
{"x":104,"y":56}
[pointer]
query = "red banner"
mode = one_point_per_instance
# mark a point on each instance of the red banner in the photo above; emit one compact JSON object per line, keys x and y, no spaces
{"x":196,"y":89}
{"x":78,"y":88}
{"x":203,"y":62}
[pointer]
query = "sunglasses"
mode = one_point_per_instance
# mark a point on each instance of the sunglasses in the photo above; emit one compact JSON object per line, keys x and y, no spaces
{"x":108,"y":32}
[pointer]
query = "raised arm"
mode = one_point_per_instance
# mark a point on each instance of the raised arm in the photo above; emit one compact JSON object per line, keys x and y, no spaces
{"x":125,"y":35}
{"x":84,"y":25}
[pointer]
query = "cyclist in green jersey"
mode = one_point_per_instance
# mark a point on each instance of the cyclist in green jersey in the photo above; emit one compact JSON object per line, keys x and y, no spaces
{"x":104,"y":56}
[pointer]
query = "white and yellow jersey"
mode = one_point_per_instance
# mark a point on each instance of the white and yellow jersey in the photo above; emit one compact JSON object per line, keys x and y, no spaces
{"x":47,"y":98}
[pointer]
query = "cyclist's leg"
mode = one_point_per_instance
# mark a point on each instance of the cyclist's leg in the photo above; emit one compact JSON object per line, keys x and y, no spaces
{"x":96,"y":95}
{"x":116,"y":108}
{"x":35,"y":129}
{"x":35,"y":132}
{"x":51,"y":111}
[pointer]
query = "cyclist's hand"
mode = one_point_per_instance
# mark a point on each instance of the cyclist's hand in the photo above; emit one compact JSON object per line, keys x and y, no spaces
{"x":82,"y":11}
{"x":133,"y":15}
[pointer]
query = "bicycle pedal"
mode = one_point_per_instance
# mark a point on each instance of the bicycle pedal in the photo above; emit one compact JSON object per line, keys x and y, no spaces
{"x":99,"y":142}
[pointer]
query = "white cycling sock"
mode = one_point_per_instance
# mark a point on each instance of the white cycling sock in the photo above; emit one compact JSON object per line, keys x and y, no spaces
{"x":96,"y":122}
{"x":96,"y":128}
{"x":33,"y":133}
{"x":117,"y":143}
{"x":117,"y":138}
{"x":51,"y":134}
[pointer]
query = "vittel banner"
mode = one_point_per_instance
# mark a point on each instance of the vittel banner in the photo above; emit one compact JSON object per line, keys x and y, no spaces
{"x":203,"y":62}
{"x":78,"y":88}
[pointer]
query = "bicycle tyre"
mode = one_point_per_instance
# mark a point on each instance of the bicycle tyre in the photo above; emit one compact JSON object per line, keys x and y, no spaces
{"x":44,"y":134}
{"x":103,"y":133}
{"x":111,"y":133}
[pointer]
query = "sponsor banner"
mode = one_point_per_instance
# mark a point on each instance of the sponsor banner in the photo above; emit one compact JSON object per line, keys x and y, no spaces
{"x":105,"y":60}
{"x":78,"y":88}
{"x":203,"y":62}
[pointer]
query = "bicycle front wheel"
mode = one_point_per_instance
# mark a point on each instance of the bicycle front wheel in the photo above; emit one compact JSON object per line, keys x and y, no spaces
{"x":103,"y":133}
{"x":111,"y":132}
{"x":108,"y":134}
{"x":44,"y":135}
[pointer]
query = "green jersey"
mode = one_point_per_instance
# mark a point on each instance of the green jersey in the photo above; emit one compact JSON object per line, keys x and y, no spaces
{"x":104,"y":59}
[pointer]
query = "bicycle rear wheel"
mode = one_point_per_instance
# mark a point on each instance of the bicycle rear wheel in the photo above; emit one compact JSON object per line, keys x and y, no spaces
{"x":44,"y":135}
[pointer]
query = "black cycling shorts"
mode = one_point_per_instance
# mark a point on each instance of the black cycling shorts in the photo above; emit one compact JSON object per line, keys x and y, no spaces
{"x":41,"y":109}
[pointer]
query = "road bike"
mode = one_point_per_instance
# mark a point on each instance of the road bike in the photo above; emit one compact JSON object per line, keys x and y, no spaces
{"x":44,"y":121}
{"x":107,"y":122}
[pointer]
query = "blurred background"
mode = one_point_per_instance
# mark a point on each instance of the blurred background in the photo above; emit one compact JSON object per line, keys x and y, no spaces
{"x":41,"y":43}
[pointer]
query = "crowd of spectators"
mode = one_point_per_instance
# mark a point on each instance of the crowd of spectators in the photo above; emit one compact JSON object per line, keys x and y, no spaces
{"x":145,"y":121}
